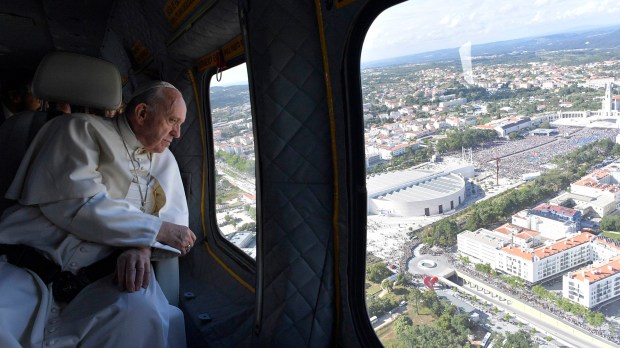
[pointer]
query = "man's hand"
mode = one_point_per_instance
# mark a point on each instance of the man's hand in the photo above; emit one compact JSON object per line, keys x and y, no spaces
{"x":133,"y":269}
{"x":176,"y":236}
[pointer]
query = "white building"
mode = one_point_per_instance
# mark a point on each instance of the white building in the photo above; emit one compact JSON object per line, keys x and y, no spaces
{"x":372,"y":159}
{"x":599,"y":282}
{"x":521,"y":237}
{"x":604,"y":248}
{"x":601,"y":82}
{"x":536,"y":264}
{"x":602,"y":187}
{"x":481,"y":245}
{"x":593,"y":285}
{"x":417,"y":192}
{"x":390,"y":151}
{"x":507,"y":125}
{"x":609,"y":105}
{"x":548,"y":227}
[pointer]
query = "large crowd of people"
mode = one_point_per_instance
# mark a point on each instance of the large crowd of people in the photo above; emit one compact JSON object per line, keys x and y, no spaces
{"x":517,"y":157}
{"x":532,"y":153}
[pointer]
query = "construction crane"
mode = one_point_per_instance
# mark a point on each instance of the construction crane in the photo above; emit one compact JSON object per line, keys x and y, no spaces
{"x":496,"y":159}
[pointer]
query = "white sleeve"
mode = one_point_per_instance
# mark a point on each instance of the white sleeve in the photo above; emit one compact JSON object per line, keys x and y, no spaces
{"x":104,"y":220}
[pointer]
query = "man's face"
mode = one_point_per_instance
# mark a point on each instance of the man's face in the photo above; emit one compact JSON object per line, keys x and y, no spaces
{"x":23,"y":100}
{"x":161,"y":123}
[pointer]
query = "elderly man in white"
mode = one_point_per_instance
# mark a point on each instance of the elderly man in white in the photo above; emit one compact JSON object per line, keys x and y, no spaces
{"x":90,"y":187}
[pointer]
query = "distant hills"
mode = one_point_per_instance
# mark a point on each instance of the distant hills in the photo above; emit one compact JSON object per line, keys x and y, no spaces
{"x":229,"y":96}
{"x":608,"y":37}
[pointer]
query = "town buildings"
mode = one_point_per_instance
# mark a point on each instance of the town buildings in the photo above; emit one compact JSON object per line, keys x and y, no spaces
{"x":549,"y":240}
{"x":552,"y":221}
{"x":597,"y":192}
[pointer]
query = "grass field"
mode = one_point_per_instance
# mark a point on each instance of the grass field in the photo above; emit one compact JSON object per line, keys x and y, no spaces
{"x":612,"y":235}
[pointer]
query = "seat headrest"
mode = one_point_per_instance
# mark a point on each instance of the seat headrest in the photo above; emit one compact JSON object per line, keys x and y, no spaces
{"x":79,"y":80}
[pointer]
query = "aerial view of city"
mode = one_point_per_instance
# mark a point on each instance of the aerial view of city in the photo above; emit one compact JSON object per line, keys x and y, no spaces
{"x":493,"y":180}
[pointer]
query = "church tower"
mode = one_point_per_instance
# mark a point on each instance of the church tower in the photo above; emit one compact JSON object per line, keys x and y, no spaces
{"x":606,"y":107}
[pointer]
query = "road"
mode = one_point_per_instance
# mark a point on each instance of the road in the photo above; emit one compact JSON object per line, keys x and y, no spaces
{"x":240,"y":180}
{"x":539,"y":324}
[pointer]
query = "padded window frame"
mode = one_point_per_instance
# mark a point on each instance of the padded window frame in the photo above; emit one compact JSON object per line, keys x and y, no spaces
{"x":213,"y":234}
{"x":356,"y":175}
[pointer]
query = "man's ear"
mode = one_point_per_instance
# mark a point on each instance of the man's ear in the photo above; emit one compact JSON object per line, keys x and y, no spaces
{"x":140,"y":113}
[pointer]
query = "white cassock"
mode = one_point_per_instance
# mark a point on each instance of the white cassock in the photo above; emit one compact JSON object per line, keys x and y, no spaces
{"x":79,"y":196}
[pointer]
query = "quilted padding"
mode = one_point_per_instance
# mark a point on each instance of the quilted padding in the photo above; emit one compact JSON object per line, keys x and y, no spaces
{"x":188,"y":153}
{"x":295,"y":175}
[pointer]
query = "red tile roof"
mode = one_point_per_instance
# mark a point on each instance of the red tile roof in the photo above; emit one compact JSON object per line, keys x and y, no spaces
{"x":548,"y":250}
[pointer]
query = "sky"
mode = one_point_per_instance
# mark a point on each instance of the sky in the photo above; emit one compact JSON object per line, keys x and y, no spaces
{"x":233,"y":76}
{"x":419,"y":26}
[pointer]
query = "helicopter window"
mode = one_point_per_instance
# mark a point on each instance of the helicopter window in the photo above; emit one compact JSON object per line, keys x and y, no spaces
{"x":482,"y":125}
{"x":233,"y":140}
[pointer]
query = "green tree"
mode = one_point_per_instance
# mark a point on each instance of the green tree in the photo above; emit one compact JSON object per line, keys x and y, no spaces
{"x":248,"y":226}
{"x":465,"y":259}
{"x":465,"y":138}
{"x":461,"y":324}
{"x":252,"y":212}
{"x":520,"y":339}
{"x":415,"y":296}
{"x":387,"y":285}
{"x":484,"y":268}
{"x":493,"y":108}
{"x":610,"y":223}
{"x":377,"y":272}
{"x":474,"y":221}
{"x":444,"y":232}
{"x":401,"y":324}
{"x":514,"y":281}
{"x":429,"y":298}
{"x":540,"y":291}
{"x":448,"y":330}
{"x":402,"y":279}
{"x":597,"y":319}
{"x":379,"y":306}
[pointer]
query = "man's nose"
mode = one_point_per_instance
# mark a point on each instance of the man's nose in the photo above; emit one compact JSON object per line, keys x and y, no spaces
{"x":176,"y":131}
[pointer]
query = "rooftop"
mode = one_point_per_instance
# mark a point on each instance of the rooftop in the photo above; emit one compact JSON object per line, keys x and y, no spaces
{"x":593,"y":274}
{"x":593,"y":179}
{"x":568,"y":195}
{"x":607,"y":242}
{"x":549,"y":250}
{"x":556,"y":208}
{"x":413,"y":185}
{"x":486,"y":237}
{"x":517,"y":231}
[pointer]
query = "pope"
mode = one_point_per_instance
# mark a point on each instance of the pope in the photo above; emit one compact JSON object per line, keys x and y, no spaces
{"x":90,"y":190}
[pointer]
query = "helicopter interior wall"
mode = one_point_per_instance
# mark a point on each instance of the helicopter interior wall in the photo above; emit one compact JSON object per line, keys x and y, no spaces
{"x":217,"y":293}
{"x":303,"y":155}
{"x":296,"y":290}
{"x":345,"y":26}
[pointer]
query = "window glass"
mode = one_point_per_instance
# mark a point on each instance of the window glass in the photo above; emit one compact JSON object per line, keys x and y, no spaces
{"x":233,"y":139}
{"x":493,"y":173}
